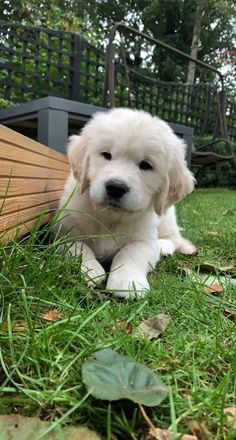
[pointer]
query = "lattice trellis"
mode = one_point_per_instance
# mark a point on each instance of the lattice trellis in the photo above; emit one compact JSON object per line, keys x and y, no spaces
{"x":231,"y":119}
{"x":36,"y":62}
{"x":190,"y":105}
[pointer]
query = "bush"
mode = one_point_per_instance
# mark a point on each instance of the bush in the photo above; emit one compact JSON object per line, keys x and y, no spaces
{"x":221,"y":174}
{"x":4,"y":103}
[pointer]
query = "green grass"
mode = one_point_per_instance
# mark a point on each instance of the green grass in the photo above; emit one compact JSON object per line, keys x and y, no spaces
{"x":196,"y":355}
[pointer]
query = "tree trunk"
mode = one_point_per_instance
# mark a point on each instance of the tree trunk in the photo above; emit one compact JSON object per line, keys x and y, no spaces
{"x":195,"y":40}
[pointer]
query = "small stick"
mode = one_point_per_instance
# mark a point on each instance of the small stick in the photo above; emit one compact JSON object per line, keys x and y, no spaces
{"x":145,"y":416}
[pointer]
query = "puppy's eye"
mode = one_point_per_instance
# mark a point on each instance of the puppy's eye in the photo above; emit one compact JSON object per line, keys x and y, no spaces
{"x":144,"y":165}
{"x":106,"y":155}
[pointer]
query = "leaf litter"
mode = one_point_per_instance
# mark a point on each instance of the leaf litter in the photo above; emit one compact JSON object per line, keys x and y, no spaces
{"x":208,"y":276}
{"x":209,"y":267}
{"x":18,"y":326}
{"x":165,"y":434}
{"x":15,"y":426}
{"x":213,"y":233}
{"x":152,"y":327}
{"x":214,"y":288}
{"x":200,"y":430}
{"x":123,"y":325}
{"x":51,"y":315}
{"x":231,"y":416}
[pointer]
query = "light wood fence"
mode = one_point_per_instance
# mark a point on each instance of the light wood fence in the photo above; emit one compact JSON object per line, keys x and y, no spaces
{"x":32,"y":177}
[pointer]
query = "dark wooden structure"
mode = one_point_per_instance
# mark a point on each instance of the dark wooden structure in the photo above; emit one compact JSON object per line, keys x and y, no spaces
{"x":214,"y":121}
{"x":51,"y":120}
{"x":37,"y":63}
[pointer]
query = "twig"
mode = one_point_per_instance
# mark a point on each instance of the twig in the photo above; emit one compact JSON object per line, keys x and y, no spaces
{"x":145,"y":416}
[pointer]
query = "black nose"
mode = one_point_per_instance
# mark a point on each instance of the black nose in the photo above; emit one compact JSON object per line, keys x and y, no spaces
{"x":116,"y":189}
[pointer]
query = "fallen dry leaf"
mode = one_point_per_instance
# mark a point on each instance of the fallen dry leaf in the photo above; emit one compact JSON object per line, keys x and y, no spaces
{"x":213,"y":288}
{"x":211,"y":232}
{"x":231,"y":416}
{"x":152,"y":327}
{"x":17,"y":326}
{"x":200,"y":430}
{"x":124,"y":325}
{"x":160,"y":434}
{"x":206,"y":266}
{"x":186,"y":270}
{"x":98,"y":296}
{"x":15,"y":426}
{"x":165,"y":434}
{"x":188,"y":437}
{"x":211,"y":276}
{"x":229,"y":314}
{"x":51,"y":315}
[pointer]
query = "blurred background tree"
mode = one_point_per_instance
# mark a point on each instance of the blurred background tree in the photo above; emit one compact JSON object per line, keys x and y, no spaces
{"x":203,"y":28}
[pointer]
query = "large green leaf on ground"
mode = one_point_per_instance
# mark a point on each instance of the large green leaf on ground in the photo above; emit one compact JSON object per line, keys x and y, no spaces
{"x":111,"y":376}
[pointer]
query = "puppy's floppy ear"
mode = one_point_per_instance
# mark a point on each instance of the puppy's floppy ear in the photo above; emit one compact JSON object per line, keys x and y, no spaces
{"x":178,"y":182}
{"x":78,"y":157}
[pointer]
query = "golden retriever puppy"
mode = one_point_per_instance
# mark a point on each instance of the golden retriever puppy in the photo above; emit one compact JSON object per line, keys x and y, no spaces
{"x":128,"y":170}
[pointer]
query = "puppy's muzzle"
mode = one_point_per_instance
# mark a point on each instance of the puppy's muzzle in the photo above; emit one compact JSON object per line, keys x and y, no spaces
{"x":116,"y":189}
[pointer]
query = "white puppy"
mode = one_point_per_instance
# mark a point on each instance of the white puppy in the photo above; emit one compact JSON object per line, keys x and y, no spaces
{"x":128,"y":169}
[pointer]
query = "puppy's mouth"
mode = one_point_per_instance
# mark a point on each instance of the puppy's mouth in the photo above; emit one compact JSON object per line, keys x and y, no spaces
{"x":118,"y":206}
{"x":113,"y":203}
{"x":115,"y":206}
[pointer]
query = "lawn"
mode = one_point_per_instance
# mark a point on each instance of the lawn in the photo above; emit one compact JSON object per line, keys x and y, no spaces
{"x":195,"y":356}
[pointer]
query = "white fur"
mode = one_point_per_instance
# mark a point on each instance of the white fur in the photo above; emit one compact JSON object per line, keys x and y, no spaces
{"x":133,"y":234}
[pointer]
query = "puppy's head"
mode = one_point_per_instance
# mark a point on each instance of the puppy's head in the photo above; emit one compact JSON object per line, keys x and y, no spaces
{"x":130,"y":161}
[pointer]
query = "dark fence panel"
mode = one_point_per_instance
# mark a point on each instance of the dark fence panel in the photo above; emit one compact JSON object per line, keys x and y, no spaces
{"x":231,"y":119}
{"x":34,"y":63}
{"x":180,"y":103}
{"x":37,"y":62}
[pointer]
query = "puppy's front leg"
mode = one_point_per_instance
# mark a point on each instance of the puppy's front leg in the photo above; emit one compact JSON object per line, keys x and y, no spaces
{"x":92,"y":269}
{"x":129,"y":269}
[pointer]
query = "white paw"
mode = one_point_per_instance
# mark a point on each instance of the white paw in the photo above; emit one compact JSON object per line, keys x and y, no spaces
{"x":94,"y":272}
{"x":124,"y":284}
{"x":167,"y":247}
{"x":186,"y":247}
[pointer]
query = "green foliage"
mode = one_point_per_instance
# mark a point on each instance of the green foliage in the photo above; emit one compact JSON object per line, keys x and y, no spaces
{"x":4,"y":103}
{"x":45,"y":13}
{"x":170,"y":21}
{"x":173,"y":22}
{"x":221,"y":174}
{"x":41,"y":361}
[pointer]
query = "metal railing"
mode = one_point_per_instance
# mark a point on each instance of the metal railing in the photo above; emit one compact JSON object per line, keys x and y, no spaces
{"x":38,"y":62}
{"x":202,"y":106}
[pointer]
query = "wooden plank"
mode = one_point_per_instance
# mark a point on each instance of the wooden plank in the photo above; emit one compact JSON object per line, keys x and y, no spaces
{"x":17,"y":169}
{"x":18,"y":139}
{"x":22,"y":229}
{"x":15,"y":186}
{"x":14,"y":204}
{"x":32,"y":179}
{"x":18,"y":154}
{"x":11,"y":220}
